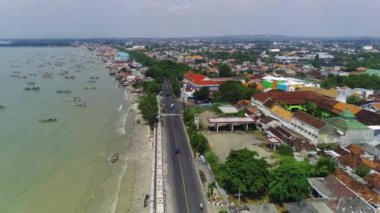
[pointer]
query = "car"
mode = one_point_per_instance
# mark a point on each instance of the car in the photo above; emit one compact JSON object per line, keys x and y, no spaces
{"x":171,"y":106}
{"x":177,"y":151}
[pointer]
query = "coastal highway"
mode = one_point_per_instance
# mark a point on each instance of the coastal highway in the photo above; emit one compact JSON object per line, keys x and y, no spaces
{"x":183,"y":177}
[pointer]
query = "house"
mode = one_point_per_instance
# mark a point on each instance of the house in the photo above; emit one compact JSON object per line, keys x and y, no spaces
{"x":350,"y":130}
{"x":194,"y":81}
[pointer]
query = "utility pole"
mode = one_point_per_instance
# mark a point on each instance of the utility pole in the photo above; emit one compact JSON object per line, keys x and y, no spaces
{"x":239,"y":194}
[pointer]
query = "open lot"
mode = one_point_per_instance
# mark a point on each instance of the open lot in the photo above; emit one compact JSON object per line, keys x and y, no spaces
{"x":223,"y":142}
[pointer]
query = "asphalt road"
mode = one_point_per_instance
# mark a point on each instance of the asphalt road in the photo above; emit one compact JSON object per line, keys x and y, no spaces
{"x":183,"y":177}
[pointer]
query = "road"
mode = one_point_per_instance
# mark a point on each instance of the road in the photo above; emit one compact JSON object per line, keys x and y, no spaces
{"x":183,"y":177}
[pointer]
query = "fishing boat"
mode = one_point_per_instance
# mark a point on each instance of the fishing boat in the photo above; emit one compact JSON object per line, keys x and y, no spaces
{"x":74,"y":99}
{"x":48,"y":120}
{"x":35,"y":88}
{"x":114,"y":158}
{"x":90,"y":87}
{"x":79,"y":104}
{"x":30,"y":83}
{"x":64,"y":91}
{"x":70,"y":77}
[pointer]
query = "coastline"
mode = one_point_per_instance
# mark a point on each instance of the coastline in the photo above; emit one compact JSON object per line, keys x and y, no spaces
{"x":135,"y":183}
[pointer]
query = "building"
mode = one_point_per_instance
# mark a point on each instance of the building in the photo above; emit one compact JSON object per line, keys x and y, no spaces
{"x":194,"y":81}
{"x":350,"y":130}
{"x":282,"y":83}
{"x":307,"y":125}
{"x":122,"y":57}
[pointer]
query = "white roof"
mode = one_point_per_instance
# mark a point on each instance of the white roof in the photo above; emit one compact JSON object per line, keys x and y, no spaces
{"x":228,"y":109}
{"x":231,"y":120}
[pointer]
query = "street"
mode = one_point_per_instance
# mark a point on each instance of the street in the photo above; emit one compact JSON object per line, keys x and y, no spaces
{"x":182,"y":175}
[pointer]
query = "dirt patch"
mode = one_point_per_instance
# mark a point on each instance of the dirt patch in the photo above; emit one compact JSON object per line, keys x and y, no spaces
{"x":223,"y":143}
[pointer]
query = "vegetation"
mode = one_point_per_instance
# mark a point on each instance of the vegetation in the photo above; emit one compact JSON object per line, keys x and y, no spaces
{"x":327,"y":146}
{"x":203,"y":93}
{"x":161,"y":69}
{"x":233,"y":91}
{"x":324,"y":167}
{"x":353,"y":81}
{"x":198,"y":142}
{"x":225,"y":71}
{"x":243,"y":171}
{"x":149,"y":109}
{"x":153,"y":87}
{"x":353,"y":99}
{"x":288,"y":183}
{"x":362,"y":171}
{"x":285,"y":149}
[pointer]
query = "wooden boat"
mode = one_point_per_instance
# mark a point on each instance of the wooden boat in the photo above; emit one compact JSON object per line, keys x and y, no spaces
{"x":114,"y":158}
{"x":48,"y":120}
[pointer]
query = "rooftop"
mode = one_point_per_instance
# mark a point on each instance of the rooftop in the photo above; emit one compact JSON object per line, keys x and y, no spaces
{"x":308,"y":119}
{"x":231,"y":120}
{"x":228,"y":109}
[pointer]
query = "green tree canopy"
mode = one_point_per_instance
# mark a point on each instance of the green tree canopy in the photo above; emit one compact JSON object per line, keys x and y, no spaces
{"x":231,"y":91}
{"x":324,"y":167}
{"x":225,"y":71}
{"x":328,"y":83}
{"x":198,"y":142}
{"x":149,"y":109}
{"x":285,"y":149}
{"x":288,"y":183}
{"x":243,"y":171}
{"x":362,"y":171}
{"x":202,"y":93}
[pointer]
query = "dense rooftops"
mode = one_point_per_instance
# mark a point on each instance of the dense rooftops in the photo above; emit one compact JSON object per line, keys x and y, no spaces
{"x":329,"y":104}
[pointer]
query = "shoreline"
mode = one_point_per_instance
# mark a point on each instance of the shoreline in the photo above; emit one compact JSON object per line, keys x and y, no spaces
{"x":135,"y":182}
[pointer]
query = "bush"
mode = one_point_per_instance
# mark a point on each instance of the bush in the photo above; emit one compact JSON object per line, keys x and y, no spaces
{"x":324,"y":167}
{"x":362,"y":171}
{"x":285,"y":149}
{"x":198,"y":142}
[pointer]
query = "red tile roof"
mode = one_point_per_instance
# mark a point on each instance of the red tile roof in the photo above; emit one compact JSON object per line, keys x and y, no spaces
{"x":332,"y":105}
{"x":201,"y":80}
{"x":308,"y":119}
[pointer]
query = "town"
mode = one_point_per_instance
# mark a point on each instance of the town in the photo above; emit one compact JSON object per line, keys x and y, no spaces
{"x":274,"y":124}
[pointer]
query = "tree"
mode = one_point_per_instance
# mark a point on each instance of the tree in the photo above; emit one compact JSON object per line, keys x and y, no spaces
{"x":328,"y":83}
{"x":311,"y":108}
{"x":285,"y":149}
{"x":243,"y":171}
{"x":198,"y":142}
{"x":362,"y":171}
{"x":149,"y":109}
{"x":203,"y":93}
{"x":353,"y":99}
{"x":225,"y":71}
{"x":288,"y":183}
{"x":231,"y":91}
{"x":152,"y":87}
{"x":323,"y":167}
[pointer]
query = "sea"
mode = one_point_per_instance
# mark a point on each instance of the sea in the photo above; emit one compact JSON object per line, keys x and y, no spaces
{"x":60,"y":166}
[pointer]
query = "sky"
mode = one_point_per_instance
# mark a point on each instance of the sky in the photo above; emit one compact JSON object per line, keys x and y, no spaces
{"x":187,"y":18}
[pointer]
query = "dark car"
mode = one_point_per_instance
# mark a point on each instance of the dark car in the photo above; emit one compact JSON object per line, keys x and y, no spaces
{"x":177,"y":151}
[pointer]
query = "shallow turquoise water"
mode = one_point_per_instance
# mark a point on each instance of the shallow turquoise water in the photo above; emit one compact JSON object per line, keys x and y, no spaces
{"x":61,"y":166}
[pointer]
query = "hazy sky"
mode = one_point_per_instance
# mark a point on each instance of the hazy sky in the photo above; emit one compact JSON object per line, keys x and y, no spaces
{"x":166,"y":18}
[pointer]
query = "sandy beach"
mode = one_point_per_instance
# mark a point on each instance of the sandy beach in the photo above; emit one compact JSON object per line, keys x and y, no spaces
{"x":137,"y":178}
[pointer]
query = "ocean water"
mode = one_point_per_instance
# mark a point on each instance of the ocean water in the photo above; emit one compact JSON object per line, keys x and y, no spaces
{"x":61,"y":166}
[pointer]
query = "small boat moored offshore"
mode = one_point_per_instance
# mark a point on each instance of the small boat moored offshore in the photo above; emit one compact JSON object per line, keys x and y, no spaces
{"x":114,"y":158}
{"x":2,"y":107}
{"x":79,"y":104}
{"x":49,"y":119}
{"x":35,"y":88}
{"x":65,"y":91}
{"x":90,"y":87}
